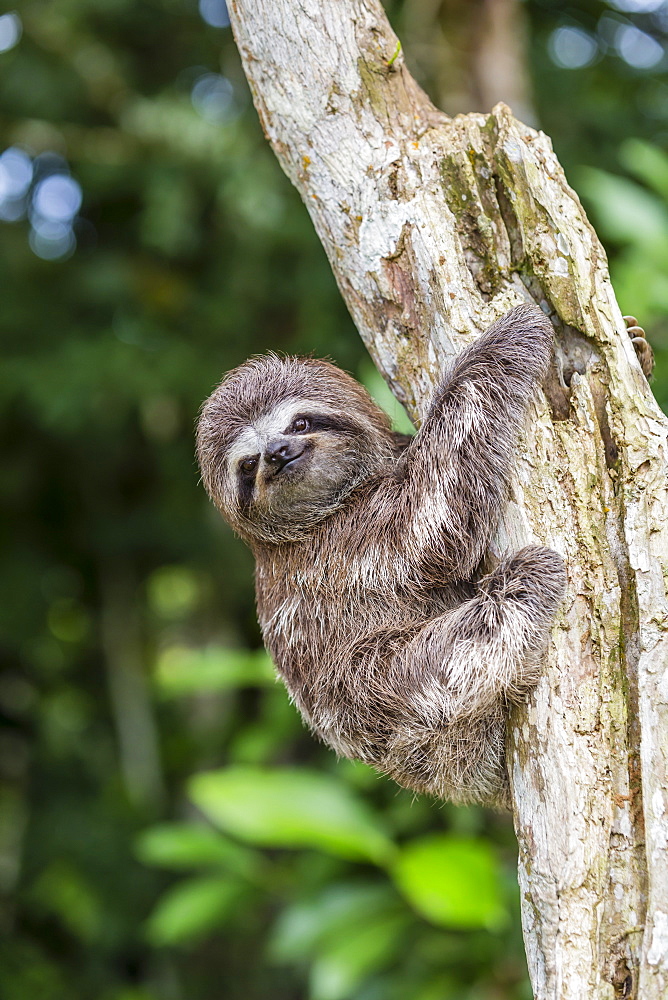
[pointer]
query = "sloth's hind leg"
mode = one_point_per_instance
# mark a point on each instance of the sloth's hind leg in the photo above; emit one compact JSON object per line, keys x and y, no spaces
{"x":488,"y":648}
{"x":522,"y":595}
{"x":457,"y":673}
{"x":463,"y":761}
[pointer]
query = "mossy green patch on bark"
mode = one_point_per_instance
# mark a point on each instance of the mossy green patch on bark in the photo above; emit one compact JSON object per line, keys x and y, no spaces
{"x":476,"y":212}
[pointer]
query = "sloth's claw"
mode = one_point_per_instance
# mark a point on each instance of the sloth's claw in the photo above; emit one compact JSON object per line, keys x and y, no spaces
{"x":642,"y":347}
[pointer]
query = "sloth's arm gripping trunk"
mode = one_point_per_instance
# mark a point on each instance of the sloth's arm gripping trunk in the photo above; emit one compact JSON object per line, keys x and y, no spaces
{"x":454,"y":475}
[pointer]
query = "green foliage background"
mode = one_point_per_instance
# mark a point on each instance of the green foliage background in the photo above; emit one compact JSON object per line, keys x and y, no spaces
{"x":168,"y":831}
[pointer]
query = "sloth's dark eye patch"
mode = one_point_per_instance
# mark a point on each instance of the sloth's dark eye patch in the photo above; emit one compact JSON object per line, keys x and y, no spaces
{"x":319,"y":422}
{"x":246,"y":481}
{"x":248,"y":466}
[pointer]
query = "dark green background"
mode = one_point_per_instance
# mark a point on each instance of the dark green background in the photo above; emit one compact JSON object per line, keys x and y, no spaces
{"x":129,"y":640}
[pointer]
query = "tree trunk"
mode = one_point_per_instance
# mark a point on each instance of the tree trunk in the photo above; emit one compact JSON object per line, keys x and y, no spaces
{"x":434,"y":228}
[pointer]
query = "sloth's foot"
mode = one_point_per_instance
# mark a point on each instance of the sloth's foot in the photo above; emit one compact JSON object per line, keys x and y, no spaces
{"x":533,"y":577}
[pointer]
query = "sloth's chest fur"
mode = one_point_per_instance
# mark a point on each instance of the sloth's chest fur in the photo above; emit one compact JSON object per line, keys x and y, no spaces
{"x":328,"y":634}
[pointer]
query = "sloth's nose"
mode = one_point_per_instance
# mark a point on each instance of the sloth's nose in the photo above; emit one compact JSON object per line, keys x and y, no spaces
{"x":279,"y":453}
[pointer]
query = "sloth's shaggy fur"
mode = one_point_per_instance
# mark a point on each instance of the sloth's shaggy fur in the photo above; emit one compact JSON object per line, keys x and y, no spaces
{"x":368,"y":547}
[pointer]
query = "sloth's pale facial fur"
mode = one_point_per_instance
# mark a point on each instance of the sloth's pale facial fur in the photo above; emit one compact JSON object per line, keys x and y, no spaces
{"x":282,"y":442}
{"x":291,"y":461}
{"x":291,"y":467}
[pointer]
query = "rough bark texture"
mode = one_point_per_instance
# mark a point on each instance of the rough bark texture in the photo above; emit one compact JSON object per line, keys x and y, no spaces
{"x":435,"y":228}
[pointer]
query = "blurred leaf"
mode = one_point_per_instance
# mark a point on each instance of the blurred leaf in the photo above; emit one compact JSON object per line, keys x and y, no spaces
{"x":442,"y":987}
{"x":453,"y":881}
{"x":263,"y":740}
{"x":647,"y":162}
{"x":302,"y":928}
{"x":354,"y":954}
{"x":640,"y":278}
{"x":625,"y":211}
{"x":291,"y":808}
{"x":639,"y":218}
{"x":180,"y":671}
{"x":173,"y":591}
{"x":186,"y":845}
{"x":191,"y":910}
{"x":350,"y":931}
{"x":63,"y":890}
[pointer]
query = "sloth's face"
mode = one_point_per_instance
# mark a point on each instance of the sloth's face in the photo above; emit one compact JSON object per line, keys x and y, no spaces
{"x":282,"y":443}
{"x":289,"y":467}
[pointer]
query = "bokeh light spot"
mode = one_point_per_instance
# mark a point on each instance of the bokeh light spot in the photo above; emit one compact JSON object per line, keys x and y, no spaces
{"x":173,"y":591}
{"x":52,"y":240}
{"x":637,"y":48}
{"x":68,"y":620}
{"x":10,"y":30}
{"x":638,"y":6}
{"x":572,"y":48}
{"x":15,"y":173}
{"x":214,"y":12}
{"x":12,"y":209}
{"x":57,"y":198}
{"x":213,"y":97}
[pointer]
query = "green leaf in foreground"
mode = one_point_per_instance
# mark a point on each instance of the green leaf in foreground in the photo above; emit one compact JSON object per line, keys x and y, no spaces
{"x":182,"y":671}
{"x":344,"y":963}
{"x":351,"y":931}
{"x":310,"y":925}
{"x":192,"y":909}
{"x":189,"y":845}
{"x":452,"y":881}
{"x":291,"y":808}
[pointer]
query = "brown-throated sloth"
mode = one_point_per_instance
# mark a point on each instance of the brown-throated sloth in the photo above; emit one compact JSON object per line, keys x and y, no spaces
{"x":368,"y":546}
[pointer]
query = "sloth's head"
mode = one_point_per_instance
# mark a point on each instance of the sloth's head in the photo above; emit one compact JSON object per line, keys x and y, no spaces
{"x":283,"y":441}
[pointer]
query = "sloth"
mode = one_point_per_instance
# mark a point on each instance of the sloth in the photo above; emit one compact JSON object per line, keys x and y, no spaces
{"x":395,"y":646}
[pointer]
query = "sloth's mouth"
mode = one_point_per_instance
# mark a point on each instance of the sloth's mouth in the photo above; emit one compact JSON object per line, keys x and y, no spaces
{"x":287,"y":462}
{"x":292,"y":461}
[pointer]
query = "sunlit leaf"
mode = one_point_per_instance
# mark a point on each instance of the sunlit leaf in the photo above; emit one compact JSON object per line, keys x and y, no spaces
{"x":180,"y":671}
{"x":192,"y":909}
{"x":453,"y":881}
{"x":186,"y":845}
{"x":291,"y":808}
